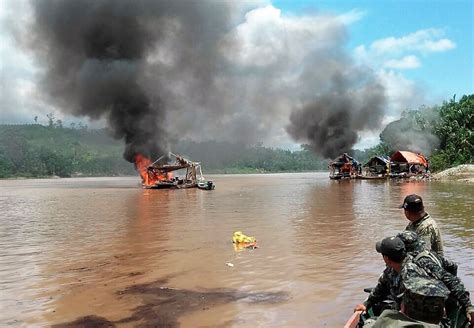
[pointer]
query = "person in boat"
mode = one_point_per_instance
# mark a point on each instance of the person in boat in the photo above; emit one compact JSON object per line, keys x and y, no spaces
{"x":413,"y":261}
{"x":425,"y":263}
{"x":388,"y":285}
{"x":422,"y":223}
{"x":422,"y":305}
{"x":415,"y":246}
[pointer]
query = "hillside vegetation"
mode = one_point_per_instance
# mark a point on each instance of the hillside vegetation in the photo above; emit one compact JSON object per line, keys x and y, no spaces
{"x":444,"y":133}
{"x":40,"y":151}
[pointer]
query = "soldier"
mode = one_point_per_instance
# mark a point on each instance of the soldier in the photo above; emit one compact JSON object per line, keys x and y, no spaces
{"x":422,"y":223}
{"x":388,"y":286}
{"x":424,"y":263}
{"x":422,"y":305}
{"x":416,"y":248}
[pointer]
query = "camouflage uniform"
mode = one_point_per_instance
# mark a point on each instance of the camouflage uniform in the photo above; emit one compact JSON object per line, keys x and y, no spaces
{"x":423,"y":301}
{"x":424,"y":265}
{"x":416,"y":246}
{"x":388,"y":287}
{"x":428,"y":230}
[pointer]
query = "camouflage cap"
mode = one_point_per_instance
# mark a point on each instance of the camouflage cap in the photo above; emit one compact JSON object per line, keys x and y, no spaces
{"x":392,"y":247}
{"x":424,"y":299}
{"x":411,"y":241}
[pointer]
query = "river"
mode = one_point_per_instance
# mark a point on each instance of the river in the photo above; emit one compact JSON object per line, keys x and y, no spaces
{"x":103,"y":250}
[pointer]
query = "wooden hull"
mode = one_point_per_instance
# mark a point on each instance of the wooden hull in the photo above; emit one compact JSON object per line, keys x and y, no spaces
{"x":161,"y":185}
{"x":341,"y":177}
{"x":365,"y":177}
{"x":353,"y":320}
{"x":169,"y":185}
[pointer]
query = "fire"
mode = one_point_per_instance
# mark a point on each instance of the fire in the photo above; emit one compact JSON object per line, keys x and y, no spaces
{"x":149,"y":175}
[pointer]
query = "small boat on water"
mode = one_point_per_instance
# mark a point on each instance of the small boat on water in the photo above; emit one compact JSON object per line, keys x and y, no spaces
{"x":206,"y":185}
{"x":457,"y":319}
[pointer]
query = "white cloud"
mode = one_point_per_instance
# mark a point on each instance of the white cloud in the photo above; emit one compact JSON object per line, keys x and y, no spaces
{"x":400,"y":53}
{"x":401,"y":92}
{"x":407,"y":62}
{"x":424,"y":41}
{"x":352,"y":16}
{"x":388,"y":56}
{"x":269,"y":38}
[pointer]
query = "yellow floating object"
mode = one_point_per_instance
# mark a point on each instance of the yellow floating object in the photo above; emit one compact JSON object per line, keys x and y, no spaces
{"x":239,"y":238}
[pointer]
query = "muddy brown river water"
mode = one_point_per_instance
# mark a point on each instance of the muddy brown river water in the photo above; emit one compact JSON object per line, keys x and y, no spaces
{"x":103,"y":250}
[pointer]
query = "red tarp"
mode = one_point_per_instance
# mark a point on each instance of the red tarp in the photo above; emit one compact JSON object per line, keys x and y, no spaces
{"x":409,"y":157}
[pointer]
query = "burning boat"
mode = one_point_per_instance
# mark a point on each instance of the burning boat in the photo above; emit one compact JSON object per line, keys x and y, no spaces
{"x":376,"y":168}
{"x":406,"y":164}
{"x":159,"y":175}
{"x":344,"y":167}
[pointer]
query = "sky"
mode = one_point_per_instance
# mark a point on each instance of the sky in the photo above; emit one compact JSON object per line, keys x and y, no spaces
{"x":420,"y":51}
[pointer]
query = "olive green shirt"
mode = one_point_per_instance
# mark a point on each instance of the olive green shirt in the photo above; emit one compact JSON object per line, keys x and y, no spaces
{"x":427,"y":229}
{"x":395,"y":319}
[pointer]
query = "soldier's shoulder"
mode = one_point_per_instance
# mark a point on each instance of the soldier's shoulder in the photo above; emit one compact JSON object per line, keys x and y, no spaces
{"x":427,"y":226}
{"x":429,"y":221}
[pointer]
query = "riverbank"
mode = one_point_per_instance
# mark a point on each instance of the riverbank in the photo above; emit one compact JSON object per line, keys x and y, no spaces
{"x":461,"y":173}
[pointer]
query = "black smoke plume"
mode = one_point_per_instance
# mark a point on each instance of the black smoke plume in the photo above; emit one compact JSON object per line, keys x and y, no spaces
{"x":161,"y":71}
{"x":94,"y":55}
{"x":331,"y":121}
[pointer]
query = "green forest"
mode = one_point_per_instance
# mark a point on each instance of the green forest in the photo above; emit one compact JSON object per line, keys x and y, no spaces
{"x":35,"y":150}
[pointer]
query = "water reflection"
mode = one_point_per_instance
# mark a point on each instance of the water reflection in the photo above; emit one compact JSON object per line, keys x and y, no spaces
{"x":100,"y":248}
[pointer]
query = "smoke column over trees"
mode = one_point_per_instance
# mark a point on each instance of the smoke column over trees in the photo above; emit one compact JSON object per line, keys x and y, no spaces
{"x":330,"y":122}
{"x":94,"y":54}
{"x":160,"y":71}
{"x":414,"y":131}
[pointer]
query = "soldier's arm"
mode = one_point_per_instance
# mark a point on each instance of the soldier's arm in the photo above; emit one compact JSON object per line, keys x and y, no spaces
{"x":436,"y":241}
{"x":449,"y":266}
{"x":454,"y":284}
{"x":380,"y":292}
{"x":425,"y":234}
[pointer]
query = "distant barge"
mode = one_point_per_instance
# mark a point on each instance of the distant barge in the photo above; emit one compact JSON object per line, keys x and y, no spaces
{"x":402,"y":164}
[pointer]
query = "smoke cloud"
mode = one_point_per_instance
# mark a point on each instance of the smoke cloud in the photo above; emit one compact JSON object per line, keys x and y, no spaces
{"x":161,"y":71}
{"x":95,"y":54}
{"x":413,"y":132}
{"x":331,"y":121}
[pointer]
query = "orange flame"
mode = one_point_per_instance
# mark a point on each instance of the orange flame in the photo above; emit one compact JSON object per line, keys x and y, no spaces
{"x":149,"y":175}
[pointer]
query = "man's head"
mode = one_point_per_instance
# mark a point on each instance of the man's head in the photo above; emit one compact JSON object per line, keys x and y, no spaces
{"x":393,"y":251}
{"x":411,"y":241}
{"x":413,"y":206}
{"x":424,"y":298}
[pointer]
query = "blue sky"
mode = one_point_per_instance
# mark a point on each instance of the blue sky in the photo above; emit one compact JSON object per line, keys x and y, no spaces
{"x":443,"y":74}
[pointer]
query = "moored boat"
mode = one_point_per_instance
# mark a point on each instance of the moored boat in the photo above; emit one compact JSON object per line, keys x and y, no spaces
{"x":368,"y":177}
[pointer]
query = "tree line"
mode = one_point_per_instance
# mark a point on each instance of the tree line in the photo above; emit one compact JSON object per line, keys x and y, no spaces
{"x":35,"y":150}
